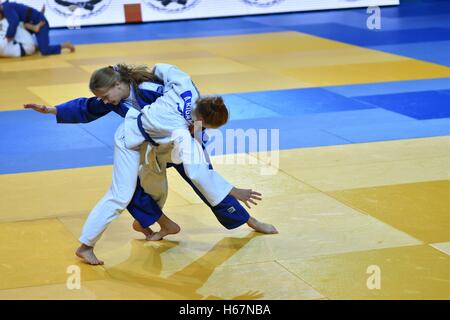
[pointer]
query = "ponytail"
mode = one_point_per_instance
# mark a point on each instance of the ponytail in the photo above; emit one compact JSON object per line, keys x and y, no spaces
{"x":105,"y":78}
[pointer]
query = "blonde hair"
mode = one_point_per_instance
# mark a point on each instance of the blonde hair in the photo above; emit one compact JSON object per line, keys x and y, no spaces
{"x":106,"y":78}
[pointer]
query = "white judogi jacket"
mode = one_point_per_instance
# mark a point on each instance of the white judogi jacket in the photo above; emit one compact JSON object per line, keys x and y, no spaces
{"x":167,"y":120}
{"x":12,"y":49}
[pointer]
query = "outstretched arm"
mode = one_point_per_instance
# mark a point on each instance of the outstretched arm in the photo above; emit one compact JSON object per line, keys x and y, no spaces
{"x":41,"y":108}
{"x":82,"y":110}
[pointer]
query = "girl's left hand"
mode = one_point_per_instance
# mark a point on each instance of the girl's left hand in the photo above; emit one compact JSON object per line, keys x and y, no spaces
{"x":40,"y":108}
{"x":246,"y":196}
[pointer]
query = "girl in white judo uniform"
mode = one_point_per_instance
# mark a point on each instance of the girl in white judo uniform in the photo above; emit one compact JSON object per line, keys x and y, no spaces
{"x":23,"y":44}
{"x":137,"y":87}
{"x":168,"y":122}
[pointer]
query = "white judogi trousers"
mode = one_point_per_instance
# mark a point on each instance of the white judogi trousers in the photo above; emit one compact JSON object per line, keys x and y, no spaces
{"x":185,"y":149}
{"x":120,"y":193}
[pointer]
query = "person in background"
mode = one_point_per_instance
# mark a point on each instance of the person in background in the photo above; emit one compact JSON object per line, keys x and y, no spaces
{"x":15,"y":13}
{"x":23,"y":44}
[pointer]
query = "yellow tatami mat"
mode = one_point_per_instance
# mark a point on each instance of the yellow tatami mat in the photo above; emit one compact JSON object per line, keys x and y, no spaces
{"x":330,"y":234}
{"x":225,"y":64}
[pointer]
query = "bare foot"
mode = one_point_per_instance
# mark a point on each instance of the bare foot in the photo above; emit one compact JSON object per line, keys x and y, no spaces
{"x":261,"y":226}
{"x":146,"y":231}
{"x":68,"y":45}
{"x":86,"y":254}
{"x":167,"y":227}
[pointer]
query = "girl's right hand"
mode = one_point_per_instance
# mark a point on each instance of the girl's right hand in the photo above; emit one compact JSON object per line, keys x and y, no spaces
{"x":39,"y":26}
{"x":40,"y":108}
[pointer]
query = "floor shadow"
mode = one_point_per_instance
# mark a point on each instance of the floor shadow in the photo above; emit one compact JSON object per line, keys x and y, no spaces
{"x":144,"y":267}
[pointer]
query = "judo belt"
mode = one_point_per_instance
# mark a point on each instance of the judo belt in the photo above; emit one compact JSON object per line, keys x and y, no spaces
{"x":22,"y":50}
{"x":145,"y":134}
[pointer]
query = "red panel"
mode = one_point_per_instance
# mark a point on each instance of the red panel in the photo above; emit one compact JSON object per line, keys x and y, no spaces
{"x":133,"y":13}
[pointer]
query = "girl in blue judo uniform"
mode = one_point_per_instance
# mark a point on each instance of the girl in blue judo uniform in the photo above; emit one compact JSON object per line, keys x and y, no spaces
{"x":126,"y":91}
{"x":16,"y":13}
{"x":23,"y":43}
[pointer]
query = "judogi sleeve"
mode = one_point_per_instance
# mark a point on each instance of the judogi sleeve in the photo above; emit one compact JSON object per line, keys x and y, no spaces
{"x":172,"y":76}
{"x":82,"y":110}
{"x":209,"y":182}
{"x":149,"y":92}
{"x":13,"y":21}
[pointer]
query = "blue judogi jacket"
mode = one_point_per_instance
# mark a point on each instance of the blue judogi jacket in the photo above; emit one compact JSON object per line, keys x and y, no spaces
{"x":16,"y":13}
{"x":84,"y":110}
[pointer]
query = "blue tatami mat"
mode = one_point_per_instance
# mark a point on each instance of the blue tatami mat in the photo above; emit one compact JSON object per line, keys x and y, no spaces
{"x":392,"y":131}
{"x":303,"y":101}
{"x":370,"y":89}
{"x":418,"y":105}
{"x":365,"y":37}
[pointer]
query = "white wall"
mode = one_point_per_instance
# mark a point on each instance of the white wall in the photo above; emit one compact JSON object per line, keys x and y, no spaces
{"x":112,"y":11}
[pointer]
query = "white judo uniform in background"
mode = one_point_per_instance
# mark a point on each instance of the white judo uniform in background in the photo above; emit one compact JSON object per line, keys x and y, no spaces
{"x":22,"y":38}
{"x":167,"y":121}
